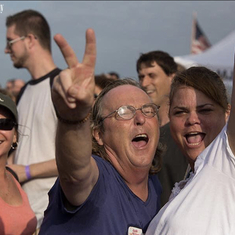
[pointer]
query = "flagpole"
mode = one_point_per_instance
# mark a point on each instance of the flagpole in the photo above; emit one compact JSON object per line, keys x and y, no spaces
{"x":193,"y":35}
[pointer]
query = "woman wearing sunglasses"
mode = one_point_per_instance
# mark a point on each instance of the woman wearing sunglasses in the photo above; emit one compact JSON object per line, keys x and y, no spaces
{"x":16,"y":216}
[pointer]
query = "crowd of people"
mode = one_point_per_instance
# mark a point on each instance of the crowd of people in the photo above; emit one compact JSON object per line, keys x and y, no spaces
{"x":86,"y":153}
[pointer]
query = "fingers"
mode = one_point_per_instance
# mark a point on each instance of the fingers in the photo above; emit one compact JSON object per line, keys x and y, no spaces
{"x":89,"y":58}
{"x":61,"y":85}
{"x":67,"y":51}
{"x":78,"y":76}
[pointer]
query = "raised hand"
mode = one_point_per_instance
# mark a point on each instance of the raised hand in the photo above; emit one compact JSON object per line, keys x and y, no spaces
{"x":73,"y":89}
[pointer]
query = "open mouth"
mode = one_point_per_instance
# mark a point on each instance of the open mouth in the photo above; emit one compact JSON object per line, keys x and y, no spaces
{"x":195,"y":138}
{"x":140,"y":140}
{"x":149,"y":91}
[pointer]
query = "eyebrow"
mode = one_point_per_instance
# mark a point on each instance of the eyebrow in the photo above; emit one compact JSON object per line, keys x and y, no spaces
{"x":203,"y":105}
{"x":199,"y":106}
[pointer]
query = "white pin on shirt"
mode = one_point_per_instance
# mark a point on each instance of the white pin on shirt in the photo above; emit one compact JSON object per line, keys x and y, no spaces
{"x":135,"y":231}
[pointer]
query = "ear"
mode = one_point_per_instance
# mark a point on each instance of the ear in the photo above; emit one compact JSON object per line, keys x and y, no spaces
{"x":172,"y":76}
{"x":98,"y":136}
{"x":32,"y":39}
{"x":227,"y":112}
{"x":15,"y":137}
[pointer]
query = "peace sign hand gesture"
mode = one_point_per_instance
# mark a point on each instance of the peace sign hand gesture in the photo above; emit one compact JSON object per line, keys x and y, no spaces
{"x":73,"y":88}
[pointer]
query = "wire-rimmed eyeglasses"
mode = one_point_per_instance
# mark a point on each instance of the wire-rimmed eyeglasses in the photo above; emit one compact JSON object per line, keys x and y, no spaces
{"x":11,"y":42}
{"x":127,"y":112}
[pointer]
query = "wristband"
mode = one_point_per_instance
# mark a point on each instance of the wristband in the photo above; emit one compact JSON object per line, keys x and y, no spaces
{"x":27,"y":172}
{"x":75,"y":122}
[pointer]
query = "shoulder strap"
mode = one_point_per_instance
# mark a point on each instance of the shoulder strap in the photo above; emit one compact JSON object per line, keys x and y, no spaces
{"x":13,"y":173}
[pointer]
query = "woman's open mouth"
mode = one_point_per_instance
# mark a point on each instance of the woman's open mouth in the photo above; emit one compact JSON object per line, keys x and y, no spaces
{"x":194,"y":138}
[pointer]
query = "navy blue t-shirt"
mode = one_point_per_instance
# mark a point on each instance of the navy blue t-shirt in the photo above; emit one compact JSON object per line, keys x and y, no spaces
{"x":111,"y":207}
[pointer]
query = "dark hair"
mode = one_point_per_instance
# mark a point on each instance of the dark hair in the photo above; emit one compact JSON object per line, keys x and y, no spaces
{"x":115,"y":74}
{"x":102,"y":81}
{"x":163,"y":59}
{"x":96,"y":123}
{"x":30,"y":21}
{"x":204,"y":80}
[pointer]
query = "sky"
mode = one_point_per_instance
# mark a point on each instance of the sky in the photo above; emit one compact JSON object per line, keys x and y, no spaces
{"x":124,"y":29}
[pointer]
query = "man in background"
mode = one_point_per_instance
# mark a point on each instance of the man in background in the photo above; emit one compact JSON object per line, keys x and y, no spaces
{"x":156,"y":70}
{"x":29,"y":46}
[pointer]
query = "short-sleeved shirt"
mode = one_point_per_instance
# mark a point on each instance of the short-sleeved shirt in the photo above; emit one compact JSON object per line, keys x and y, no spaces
{"x":111,"y":207}
{"x":37,"y":128}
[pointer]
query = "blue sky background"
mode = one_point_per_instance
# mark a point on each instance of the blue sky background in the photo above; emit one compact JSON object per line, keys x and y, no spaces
{"x":124,"y":29}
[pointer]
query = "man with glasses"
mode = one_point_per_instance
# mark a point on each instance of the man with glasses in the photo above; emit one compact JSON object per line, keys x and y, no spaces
{"x":115,"y":190}
{"x":29,"y":46}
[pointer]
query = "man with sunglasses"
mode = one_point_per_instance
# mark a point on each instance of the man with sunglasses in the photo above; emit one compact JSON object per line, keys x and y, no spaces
{"x":111,"y":192}
{"x":29,"y":46}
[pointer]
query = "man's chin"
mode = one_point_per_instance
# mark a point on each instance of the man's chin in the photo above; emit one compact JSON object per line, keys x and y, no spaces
{"x":18,"y":66}
{"x":153,"y":97}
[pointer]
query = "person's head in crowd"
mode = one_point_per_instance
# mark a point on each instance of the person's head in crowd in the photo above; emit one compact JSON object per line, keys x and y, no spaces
{"x":18,"y":84}
{"x":10,"y":84}
{"x":180,"y":67}
{"x":156,"y":70}
{"x":8,"y":123}
{"x":101,"y":81}
{"x":102,"y":131}
{"x":14,"y":86}
{"x":113,"y":75}
{"x":26,"y":30}
{"x":198,"y":96}
{"x":7,"y":93}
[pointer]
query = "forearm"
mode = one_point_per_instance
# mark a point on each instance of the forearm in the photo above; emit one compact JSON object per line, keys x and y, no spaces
{"x":43,"y":169}
{"x":35,"y":171}
{"x":73,"y":148}
{"x":77,"y":169}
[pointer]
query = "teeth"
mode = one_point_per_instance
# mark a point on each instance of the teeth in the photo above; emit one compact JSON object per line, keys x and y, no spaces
{"x":193,"y":133}
{"x":195,"y":144}
{"x":142,"y":135}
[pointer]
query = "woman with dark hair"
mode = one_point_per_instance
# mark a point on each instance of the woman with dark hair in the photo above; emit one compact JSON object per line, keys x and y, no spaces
{"x":16,"y":215}
{"x":202,"y":123}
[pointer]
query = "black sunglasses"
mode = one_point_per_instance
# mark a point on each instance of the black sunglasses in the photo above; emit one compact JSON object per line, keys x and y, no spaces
{"x":7,"y":124}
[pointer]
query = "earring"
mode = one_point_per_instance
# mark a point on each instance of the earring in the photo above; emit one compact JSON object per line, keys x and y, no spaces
{"x":14,"y":145}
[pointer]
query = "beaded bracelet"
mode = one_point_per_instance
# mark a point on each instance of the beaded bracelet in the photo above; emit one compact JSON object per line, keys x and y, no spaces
{"x":74,"y":122}
{"x":27,"y":172}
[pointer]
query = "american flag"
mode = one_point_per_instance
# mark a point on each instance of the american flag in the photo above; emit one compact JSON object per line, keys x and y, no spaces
{"x":199,"y":42}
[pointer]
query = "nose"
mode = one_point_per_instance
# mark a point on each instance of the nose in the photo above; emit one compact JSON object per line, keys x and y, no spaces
{"x":146,"y":80}
{"x":139,"y":118}
{"x":193,"y":118}
{"x":7,"y":50}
